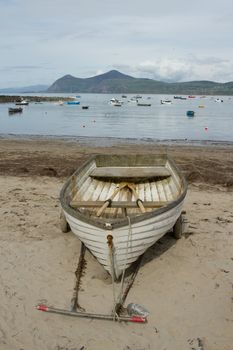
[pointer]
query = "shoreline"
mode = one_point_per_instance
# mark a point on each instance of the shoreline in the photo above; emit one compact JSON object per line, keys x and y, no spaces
{"x":116,"y":140}
{"x":34,"y":98}
{"x":207,"y":163}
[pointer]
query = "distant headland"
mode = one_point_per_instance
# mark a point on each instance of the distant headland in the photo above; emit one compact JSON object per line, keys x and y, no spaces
{"x":117,"y":82}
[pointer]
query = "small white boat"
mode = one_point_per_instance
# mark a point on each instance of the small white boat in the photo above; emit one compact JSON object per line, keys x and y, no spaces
{"x":165,"y":102}
{"x":22,"y":103}
{"x":133,"y":100}
{"x":120,"y":205}
{"x":219,"y":100}
{"x":116,"y":102}
{"x":59,"y":103}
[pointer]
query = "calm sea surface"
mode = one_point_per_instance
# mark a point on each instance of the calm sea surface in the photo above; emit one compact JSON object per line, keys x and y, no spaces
{"x":160,"y":122}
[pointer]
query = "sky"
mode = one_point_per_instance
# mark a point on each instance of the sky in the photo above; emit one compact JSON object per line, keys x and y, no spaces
{"x":171,"y":40}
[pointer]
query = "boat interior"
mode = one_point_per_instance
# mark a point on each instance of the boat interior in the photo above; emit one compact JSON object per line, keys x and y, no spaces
{"x":114,"y":187}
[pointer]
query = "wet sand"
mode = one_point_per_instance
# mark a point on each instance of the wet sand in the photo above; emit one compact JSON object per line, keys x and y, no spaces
{"x":186,"y":285}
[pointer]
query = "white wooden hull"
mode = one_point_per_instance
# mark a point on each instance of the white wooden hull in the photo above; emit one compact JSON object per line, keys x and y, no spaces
{"x":132,"y":235}
{"x":128,"y":246}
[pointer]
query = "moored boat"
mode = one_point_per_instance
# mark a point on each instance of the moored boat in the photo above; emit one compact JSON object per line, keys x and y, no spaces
{"x":190,"y":113}
{"x":15,"y":110}
{"x":22,"y":103}
{"x":116,"y":102}
{"x":144,"y":104}
{"x":179,"y":98}
{"x":133,"y":100}
{"x":120,"y":205}
{"x":165,"y":102}
{"x":73,"y":102}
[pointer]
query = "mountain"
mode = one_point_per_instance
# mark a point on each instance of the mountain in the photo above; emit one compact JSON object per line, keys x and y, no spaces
{"x":116,"y":82}
{"x":27,"y":89}
{"x":103,"y":83}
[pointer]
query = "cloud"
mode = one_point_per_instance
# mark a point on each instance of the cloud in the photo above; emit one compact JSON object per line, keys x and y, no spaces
{"x":182,"y":69}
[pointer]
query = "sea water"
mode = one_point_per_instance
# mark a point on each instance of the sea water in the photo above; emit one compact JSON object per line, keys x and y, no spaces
{"x":212,"y":120}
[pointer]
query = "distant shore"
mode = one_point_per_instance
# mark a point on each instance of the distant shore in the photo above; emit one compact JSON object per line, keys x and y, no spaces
{"x":14,"y":98}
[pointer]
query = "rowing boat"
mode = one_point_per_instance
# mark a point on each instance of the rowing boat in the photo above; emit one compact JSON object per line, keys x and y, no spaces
{"x":120,"y":205}
{"x":15,"y":110}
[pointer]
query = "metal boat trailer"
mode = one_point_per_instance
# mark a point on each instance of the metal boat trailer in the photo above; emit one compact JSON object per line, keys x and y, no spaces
{"x":118,"y":313}
{"x":77,"y":311}
{"x":134,"y":318}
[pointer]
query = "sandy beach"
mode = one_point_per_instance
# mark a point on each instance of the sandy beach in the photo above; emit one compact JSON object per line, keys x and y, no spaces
{"x":186,"y":285}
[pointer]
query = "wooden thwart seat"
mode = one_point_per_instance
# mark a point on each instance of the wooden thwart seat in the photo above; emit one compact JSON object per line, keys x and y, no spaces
{"x":133,"y":172}
{"x":116,"y":204}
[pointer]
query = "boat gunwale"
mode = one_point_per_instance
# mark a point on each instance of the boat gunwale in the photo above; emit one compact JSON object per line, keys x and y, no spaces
{"x":120,"y":222}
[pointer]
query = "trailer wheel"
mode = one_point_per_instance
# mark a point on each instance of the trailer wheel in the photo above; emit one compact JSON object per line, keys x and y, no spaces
{"x":65,"y":227}
{"x":178,"y":228}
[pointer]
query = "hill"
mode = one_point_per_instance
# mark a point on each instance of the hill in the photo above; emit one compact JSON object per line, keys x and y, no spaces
{"x":116,"y":82}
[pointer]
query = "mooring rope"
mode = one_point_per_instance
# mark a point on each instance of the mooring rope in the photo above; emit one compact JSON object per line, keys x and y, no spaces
{"x":115,"y":315}
{"x":129,"y":238}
